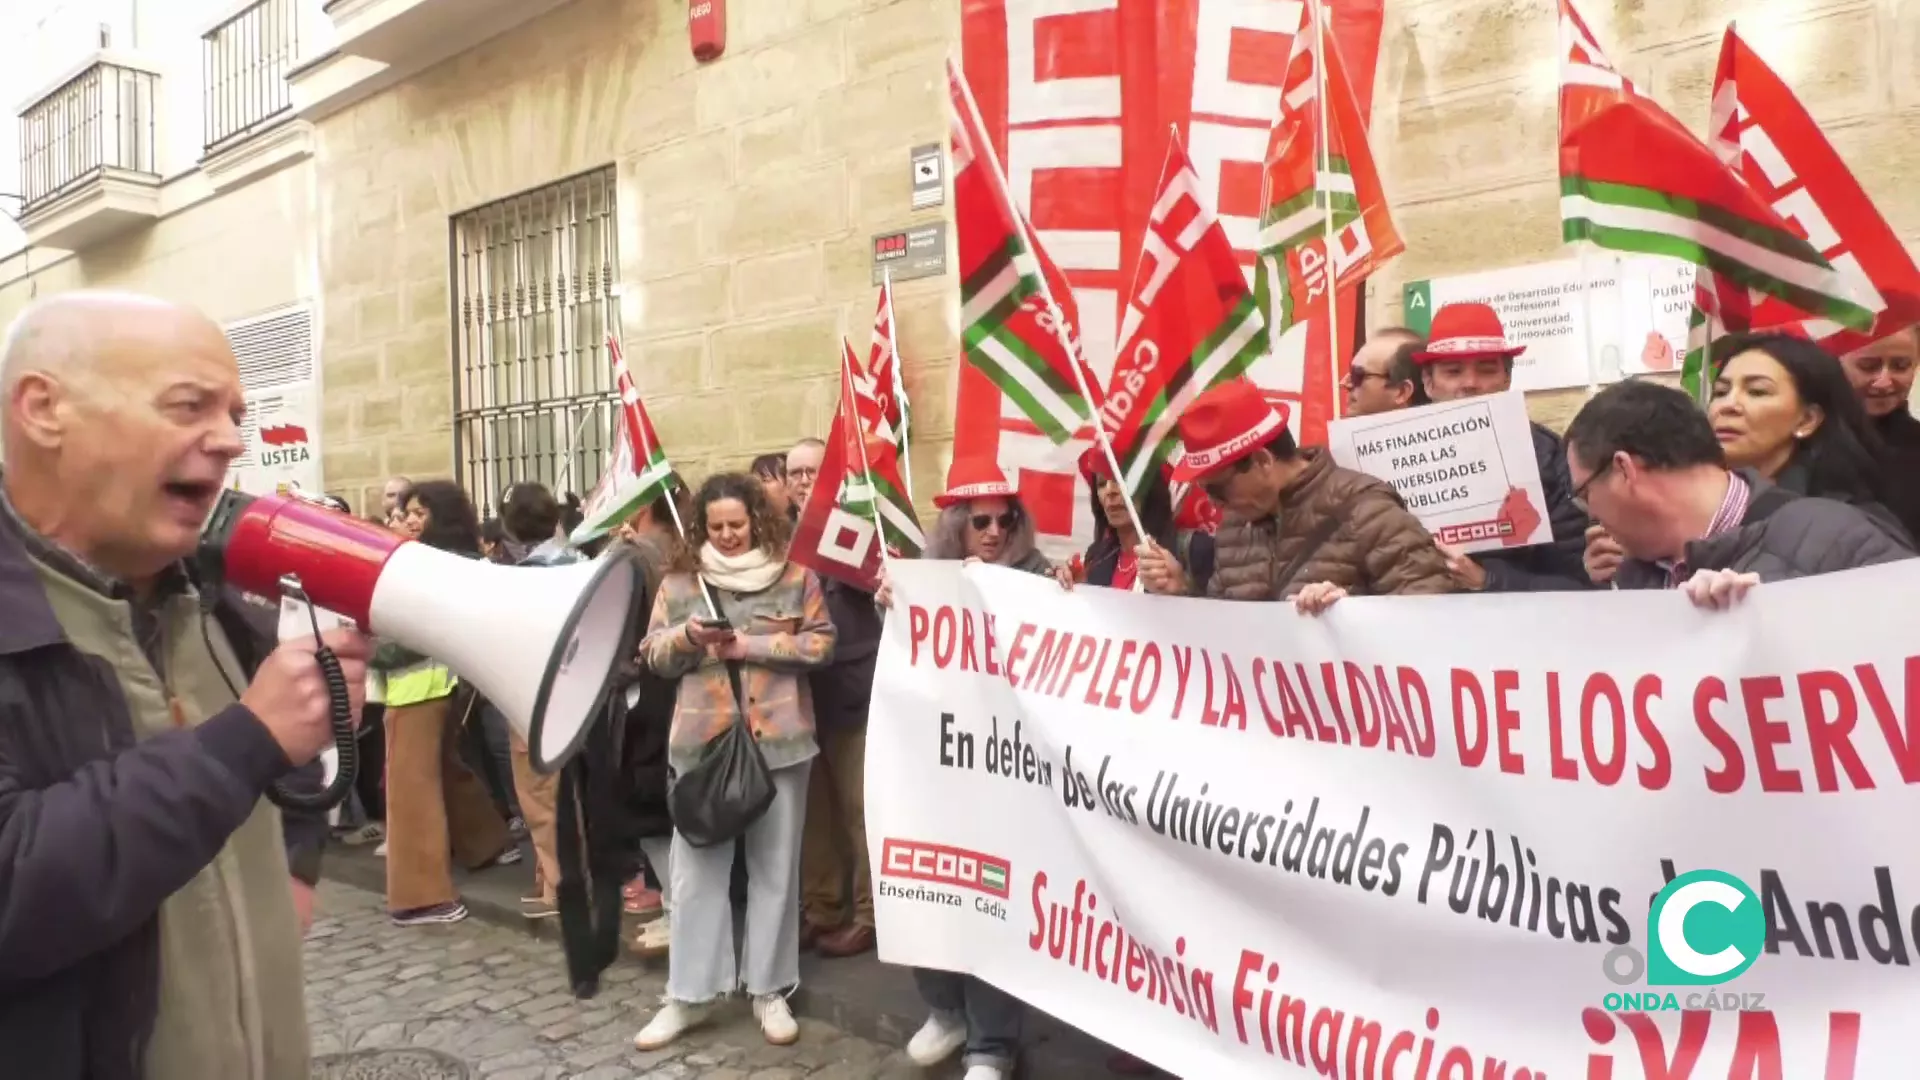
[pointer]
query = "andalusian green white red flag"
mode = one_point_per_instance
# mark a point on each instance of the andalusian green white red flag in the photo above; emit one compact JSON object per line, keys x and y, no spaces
{"x":844,"y":532}
{"x":1190,"y":323}
{"x":1307,"y":182}
{"x":1326,"y":225}
{"x":1634,"y":179}
{"x":1018,"y":320}
{"x":639,"y":472}
{"x":1762,"y":132}
{"x":888,"y":388}
{"x":875,"y":484}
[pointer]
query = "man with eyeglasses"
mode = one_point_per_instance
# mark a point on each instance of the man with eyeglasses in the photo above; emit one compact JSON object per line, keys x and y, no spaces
{"x":835,"y":881}
{"x":1384,"y":377}
{"x":1467,"y":355}
{"x":1646,"y":463}
{"x":803,"y":468}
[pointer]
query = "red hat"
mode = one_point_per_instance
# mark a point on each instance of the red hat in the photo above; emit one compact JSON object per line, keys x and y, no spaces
{"x":1466,"y":332}
{"x":1223,"y":425}
{"x":1094,"y":463}
{"x":974,"y":478}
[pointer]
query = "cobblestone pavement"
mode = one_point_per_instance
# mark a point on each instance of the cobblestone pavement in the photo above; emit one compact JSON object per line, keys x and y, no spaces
{"x":497,"y":999}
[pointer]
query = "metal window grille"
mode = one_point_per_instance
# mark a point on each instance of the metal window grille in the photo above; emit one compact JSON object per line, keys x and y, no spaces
{"x":101,"y":119}
{"x":534,"y":299}
{"x":244,"y":65}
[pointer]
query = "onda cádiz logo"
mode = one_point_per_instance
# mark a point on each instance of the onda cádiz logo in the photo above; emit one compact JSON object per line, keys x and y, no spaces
{"x":939,"y":867}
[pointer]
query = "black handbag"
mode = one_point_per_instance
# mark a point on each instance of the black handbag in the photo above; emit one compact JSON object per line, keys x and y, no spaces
{"x":730,"y":787}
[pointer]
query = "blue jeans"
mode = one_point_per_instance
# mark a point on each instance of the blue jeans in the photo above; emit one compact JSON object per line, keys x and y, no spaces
{"x":993,"y":1017}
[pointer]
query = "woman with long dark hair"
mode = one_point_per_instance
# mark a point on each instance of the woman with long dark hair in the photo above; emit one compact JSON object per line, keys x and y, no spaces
{"x":1112,"y":559}
{"x":1783,"y":407}
{"x":435,"y":805}
{"x":775,"y":630}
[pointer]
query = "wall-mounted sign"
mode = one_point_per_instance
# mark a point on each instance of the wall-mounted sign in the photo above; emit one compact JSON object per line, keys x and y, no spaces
{"x":282,"y":436}
{"x":910,"y":253}
{"x":929,"y":189}
{"x":1581,"y":320}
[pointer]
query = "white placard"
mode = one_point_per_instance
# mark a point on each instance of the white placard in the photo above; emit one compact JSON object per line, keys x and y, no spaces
{"x":282,"y":434}
{"x":1465,"y":468}
{"x":1407,"y":838}
{"x":1560,"y":309}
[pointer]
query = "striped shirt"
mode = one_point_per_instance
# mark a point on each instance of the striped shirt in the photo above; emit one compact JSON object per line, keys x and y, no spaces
{"x":1733,"y":510}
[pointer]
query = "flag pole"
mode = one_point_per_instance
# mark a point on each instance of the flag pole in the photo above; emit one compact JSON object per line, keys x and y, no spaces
{"x":1586,"y":319}
{"x":899,"y":390}
{"x":860,"y":436}
{"x":1057,"y":321}
{"x":1325,"y":165}
{"x":1099,"y":425}
{"x":573,"y":443}
{"x":637,"y":433}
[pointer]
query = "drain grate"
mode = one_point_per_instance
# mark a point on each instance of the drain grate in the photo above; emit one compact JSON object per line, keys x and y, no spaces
{"x":407,"y":1064}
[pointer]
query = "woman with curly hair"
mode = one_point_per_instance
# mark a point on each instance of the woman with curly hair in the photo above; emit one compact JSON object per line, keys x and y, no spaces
{"x":776,"y":629}
{"x":982,"y":518}
{"x":435,"y":805}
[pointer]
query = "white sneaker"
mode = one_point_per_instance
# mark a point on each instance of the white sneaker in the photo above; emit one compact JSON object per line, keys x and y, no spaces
{"x":674,"y":1019}
{"x":938,"y":1039}
{"x":655,"y":939}
{"x":381,"y":850}
{"x":776,"y":1019}
{"x":985,"y":1072}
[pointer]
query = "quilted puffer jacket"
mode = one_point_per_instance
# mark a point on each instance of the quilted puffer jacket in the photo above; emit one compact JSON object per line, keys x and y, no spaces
{"x":1377,"y":549}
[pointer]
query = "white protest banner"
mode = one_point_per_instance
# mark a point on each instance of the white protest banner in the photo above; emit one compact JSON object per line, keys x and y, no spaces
{"x":1419,"y":837}
{"x":1465,"y":468}
{"x":1558,"y":309}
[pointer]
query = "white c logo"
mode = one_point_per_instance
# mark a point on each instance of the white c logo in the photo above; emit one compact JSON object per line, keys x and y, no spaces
{"x":1673,"y":928}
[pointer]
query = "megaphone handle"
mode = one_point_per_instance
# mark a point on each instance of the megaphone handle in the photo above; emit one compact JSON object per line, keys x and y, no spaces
{"x":341,"y":716}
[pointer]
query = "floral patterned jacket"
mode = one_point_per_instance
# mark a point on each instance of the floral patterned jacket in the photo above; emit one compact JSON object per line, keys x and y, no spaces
{"x":787,"y":634}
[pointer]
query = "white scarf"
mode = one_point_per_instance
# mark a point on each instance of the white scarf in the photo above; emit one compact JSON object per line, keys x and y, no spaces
{"x":748,"y":573}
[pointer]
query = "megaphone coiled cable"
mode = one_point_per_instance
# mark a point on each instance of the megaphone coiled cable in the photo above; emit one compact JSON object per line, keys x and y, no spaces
{"x":340,"y":718}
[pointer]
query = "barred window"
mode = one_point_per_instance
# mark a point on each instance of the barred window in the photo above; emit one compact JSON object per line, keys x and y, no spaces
{"x":535,"y":298}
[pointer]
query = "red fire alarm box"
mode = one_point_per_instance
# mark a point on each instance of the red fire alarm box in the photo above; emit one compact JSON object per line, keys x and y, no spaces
{"x":707,"y":28}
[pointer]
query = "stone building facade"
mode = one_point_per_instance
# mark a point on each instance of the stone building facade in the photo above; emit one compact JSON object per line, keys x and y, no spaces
{"x":748,"y":191}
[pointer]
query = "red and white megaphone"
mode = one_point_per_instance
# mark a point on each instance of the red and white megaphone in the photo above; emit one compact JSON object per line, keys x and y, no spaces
{"x":543,"y":644}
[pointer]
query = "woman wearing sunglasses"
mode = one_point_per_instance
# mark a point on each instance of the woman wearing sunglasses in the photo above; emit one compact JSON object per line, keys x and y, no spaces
{"x":981,"y":517}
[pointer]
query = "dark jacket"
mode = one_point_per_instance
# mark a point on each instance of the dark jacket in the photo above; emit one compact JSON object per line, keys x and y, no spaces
{"x":1798,"y":479}
{"x":1191,"y":547}
{"x":646,"y":710}
{"x":1333,"y":524}
{"x":1551,"y":567}
{"x":96,"y":831}
{"x":1783,"y":536}
{"x":1900,"y":432}
{"x":842,"y":689}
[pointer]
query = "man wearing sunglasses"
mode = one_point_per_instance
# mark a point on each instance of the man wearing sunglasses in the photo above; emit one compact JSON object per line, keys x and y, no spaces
{"x":1384,"y":377}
